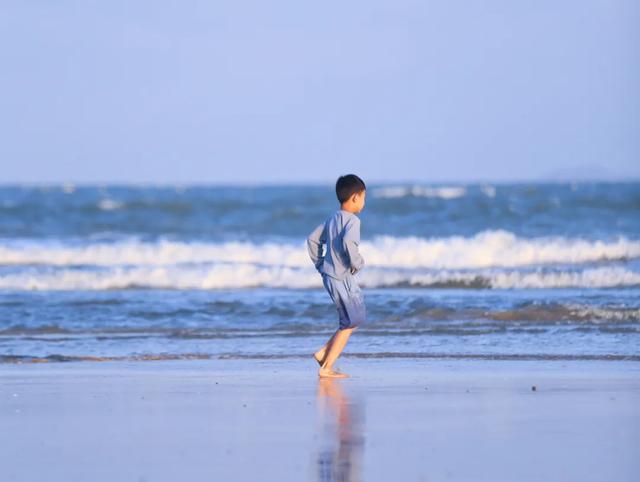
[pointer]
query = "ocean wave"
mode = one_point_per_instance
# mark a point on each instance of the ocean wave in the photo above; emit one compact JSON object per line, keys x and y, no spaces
{"x":444,"y":192}
{"x":244,"y":275}
{"x":109,"y":205}
{"x":416,"y":319}
{"x":603,"y":277}
{"x":488,"y":190}
{"x":493,"y":248}
{"x":487,"y":249}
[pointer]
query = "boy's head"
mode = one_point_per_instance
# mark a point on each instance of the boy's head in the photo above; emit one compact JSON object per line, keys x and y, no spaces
{"x":351,"y":193}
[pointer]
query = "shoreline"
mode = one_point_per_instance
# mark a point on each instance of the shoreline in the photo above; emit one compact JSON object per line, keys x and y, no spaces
{"x":542,"y":357}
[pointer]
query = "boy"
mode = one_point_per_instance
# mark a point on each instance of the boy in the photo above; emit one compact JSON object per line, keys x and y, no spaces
{"x":341,"y":260}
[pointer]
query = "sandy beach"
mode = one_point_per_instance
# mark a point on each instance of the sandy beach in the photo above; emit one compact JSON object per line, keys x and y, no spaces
{"x":246,"y":420}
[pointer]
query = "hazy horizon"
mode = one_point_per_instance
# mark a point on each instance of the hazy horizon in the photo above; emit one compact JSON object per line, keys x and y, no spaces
{"x":293,"y":183}
{"x":563,"y":176}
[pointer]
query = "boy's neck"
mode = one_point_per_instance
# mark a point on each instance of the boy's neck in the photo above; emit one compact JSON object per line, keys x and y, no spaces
{"x":347,"y":208}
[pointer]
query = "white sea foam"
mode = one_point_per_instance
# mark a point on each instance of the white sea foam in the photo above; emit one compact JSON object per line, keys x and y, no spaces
{"x":109,"y":204}
{"x":605,"y":277}
{"x":444,"y":192}
{"x":488,"y":190}
{"x":160,"y":253}
{"x":163,"y":277}
{"x":606,"y":314}
{"x":233,"y":276}
{"x":494,"y":248}
{"x":68,"y":188}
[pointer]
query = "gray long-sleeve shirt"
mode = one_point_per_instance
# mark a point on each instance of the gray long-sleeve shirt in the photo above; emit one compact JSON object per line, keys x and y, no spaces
{"x":341,"y":235}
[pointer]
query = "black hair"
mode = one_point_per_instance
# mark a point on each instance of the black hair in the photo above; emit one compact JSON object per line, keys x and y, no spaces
{"x":347,"y":186}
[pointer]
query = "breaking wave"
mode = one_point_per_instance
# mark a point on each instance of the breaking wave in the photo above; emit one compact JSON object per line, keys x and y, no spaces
{"x":243,"y":275}
{"x":487,"y":249}
{"x":444,"y":192}
{"x":491,"y":259}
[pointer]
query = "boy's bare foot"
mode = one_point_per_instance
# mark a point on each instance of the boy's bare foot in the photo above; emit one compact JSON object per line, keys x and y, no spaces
{"x":319,"y":356}
{"x":326,"y":373}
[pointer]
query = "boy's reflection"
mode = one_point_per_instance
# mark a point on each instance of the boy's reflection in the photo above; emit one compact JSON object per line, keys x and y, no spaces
{"x":341,"y":427}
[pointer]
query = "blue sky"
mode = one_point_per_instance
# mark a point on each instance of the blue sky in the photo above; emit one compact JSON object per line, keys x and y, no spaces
{"x":294,"y":91}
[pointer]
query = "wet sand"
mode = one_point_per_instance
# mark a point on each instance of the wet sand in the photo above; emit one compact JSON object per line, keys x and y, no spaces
{"x":248,"y":420}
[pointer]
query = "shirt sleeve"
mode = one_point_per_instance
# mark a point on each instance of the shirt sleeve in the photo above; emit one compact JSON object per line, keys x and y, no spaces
{"x":351,"y":242}
{"x":314,"y":245}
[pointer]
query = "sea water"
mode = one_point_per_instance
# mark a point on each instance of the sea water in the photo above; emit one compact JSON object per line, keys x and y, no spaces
{"x":526,"y":270}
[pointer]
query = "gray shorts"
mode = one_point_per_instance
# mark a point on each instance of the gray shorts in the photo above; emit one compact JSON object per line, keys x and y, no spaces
{"x":347,"y":297}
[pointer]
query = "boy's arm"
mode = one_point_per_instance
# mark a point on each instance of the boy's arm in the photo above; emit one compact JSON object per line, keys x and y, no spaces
{"x":351,"y":241}
{"x":314,"y":245}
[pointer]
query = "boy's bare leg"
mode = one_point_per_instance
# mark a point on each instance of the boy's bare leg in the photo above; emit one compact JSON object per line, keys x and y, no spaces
{"x":321,"y":354}
{"x":340,"y":339}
